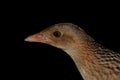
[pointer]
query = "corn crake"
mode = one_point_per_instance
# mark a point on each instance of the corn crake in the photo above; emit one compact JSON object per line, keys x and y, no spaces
{"x":93,"y":61}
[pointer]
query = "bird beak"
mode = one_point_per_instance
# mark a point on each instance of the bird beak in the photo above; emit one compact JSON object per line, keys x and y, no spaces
{"x":36,"y":38}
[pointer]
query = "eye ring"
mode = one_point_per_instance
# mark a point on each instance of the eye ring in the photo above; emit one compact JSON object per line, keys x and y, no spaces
{"x":57,"y":33}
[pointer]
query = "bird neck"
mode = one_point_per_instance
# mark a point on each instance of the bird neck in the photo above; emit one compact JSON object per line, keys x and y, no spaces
{"x":83,"y":54}
{"x":92,"y":59}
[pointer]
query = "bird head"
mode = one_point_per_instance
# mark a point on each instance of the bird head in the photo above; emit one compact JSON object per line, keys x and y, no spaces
{"x":62,"y":35}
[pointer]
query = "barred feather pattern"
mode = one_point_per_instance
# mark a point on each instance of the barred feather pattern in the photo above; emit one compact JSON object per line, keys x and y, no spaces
{"x":108,"y":60}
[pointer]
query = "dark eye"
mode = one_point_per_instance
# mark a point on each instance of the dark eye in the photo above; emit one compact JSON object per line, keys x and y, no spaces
{"x":56,"y":34}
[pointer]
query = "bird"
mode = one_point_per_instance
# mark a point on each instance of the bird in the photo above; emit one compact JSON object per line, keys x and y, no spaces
{"x":93,"y":60}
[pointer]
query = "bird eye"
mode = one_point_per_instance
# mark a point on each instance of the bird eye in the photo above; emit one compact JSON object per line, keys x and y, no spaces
{"x":56,"y":34}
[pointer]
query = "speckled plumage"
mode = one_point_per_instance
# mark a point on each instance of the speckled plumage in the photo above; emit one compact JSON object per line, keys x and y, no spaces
{"x":93,"y":61}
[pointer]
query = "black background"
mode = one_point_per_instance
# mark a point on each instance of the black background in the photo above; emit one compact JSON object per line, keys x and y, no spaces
{"x":42,"y":61}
